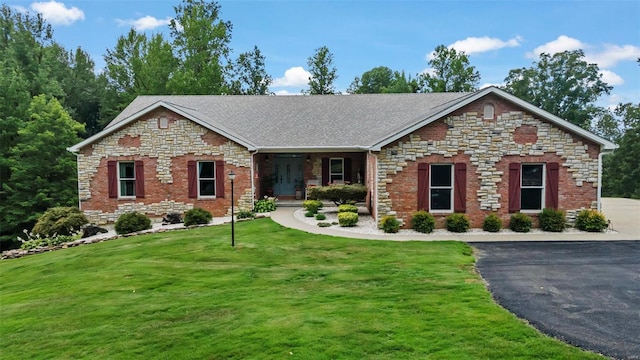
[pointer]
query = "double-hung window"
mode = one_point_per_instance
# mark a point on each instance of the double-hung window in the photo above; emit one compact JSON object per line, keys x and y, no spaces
{"x":532,"y":187}
{"x":126,"y":179}
{"x":441,"y":187}
{"x":336,"y":169}
{"x":206,"y":178}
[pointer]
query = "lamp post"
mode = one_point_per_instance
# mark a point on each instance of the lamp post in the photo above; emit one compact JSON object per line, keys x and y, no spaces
{"x":232,"y":176}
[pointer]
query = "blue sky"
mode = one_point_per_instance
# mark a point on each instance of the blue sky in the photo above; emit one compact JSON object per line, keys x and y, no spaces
{"x":497,"y":35}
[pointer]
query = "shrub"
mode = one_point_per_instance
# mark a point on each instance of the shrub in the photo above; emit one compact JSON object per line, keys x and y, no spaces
{"x":321,"y":217}
{"x":339,"y":194}
{"x":132,"y":222}
{"x":324,"y":224}
{"x":172,"y":218}
{"x":347,"y":208}
{"x":552,"y":220}
{"x":423,"y":222}
{"x":265,"y":205}
{"x":245,"y":214}
{"x":309,"y":214}
{"x":197,"y":216}
{"x":520,"y":223}
{"x":492,"y":223}
{"x":60,"y":221}
{"x":35,"y":241}
{"x":312,"y":205}
{"x":591,"y":220}
{"x":457,"y":223}
{"x":347,"y":219}
{"x":390,"y":224}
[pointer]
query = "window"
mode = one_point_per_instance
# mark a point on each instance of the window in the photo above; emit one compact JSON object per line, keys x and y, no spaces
{"x":441,"y":187}
{"x":488,"y":113}
{"x":532,"y":187}
{"x":336,"y":169}
{"x":127,"y":179}
{"x":163,"y":122}
{"x":206,"y":178}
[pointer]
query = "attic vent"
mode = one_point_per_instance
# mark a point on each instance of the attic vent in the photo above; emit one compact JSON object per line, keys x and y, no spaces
{"x":488,"y":113}
{"x":163,"y":122}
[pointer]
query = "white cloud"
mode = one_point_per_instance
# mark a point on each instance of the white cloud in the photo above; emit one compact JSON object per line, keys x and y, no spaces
{"x":473,"y":45}
{"x":20,"y":9}
{"x":562,"y":43}
{"x":57,"y":13}
{"x":286,"y":93}
{"x":612,"y":54}
{"x":144,"y":23}
{"x":486,"y":85}
{"x":295,"y":76}
{"x":611,"y":78}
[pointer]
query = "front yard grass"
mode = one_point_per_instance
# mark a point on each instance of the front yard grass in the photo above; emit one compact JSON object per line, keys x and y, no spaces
{"x":280,"y":293}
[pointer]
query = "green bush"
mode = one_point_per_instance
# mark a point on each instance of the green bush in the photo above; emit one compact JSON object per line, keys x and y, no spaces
{"x":339,"y":194}
{"x":423,"y":222}
{"x":197,"y":216}
{"x":245,"y":214}
{"x":309,"y":214}
{"x":60,"y":221}
{"x":520,"y":223}
{"x":35,"y":241}
{"x":132,"y":222}
{"x":347,"y":219}
{"x":321,"y":217}
{"x":324,"y":224}
{"x":312,"y":205}
{"x":492,"y":223}
{"x":552,"y":220}
{"x":390,"y":224}
{"x":458,"y":223}
{"x":591,"y":220}
{"x":265,"y":205}
{"x":347,"y":208}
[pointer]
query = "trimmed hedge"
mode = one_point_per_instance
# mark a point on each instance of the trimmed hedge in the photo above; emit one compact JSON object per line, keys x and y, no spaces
{"x":197,"y":216}
{"x":132,"y":222}
{"x":339,"y":194}
{"x":347,"y":208}
{"x":423,"y":222}
{"x":389,"y":224}
{"x":312,"y":205}
{"x":552,"y":220}
{"x":458,"y":223}
{"x":591,"y":220}
{"x":347,"y":219}
{"x":492,"y":223}
{"x":520,"y":223}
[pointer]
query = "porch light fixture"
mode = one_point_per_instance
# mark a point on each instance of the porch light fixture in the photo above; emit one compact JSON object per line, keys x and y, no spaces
{"x":308,"y":158}
{"x":266,"y":158}
{"x":232,"y":176}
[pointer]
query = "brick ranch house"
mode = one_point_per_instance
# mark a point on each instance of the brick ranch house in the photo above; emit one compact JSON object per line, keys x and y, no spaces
{"x":474,"y":153}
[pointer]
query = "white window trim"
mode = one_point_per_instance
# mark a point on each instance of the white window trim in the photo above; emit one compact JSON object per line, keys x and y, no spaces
{"x":451,"y":187}
{"x":543,"y":188}
{"x":199,"y":179}
{"x":120,"y":179}
{"x":331,"y":174}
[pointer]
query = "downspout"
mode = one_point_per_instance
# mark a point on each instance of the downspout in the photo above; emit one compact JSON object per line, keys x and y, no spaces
{"x":253,"y":194}
{"x":599,"y":196}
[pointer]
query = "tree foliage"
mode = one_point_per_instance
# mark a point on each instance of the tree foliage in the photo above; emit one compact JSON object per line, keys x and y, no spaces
{"x":323,"y":72}
{"x":563,"y":84}
{"x":250,"y":76}
{"x":382,"y":79}
{"x":621,"y":174}
{"x":450,"y":71}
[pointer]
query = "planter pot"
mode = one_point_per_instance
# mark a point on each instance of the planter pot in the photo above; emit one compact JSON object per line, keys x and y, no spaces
{"x":298,"y":194}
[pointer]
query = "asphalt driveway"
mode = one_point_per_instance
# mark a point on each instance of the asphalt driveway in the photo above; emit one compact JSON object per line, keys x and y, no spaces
{"x":584,"y":293}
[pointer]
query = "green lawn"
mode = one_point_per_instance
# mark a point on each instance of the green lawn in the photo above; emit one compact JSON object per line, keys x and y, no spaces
{"x":280,"y":293}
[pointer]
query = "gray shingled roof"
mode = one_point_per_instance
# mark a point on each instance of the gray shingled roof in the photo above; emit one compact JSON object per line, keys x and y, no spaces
{"x":304,"y":121}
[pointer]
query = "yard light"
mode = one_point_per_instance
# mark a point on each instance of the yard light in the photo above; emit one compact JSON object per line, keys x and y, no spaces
{"x":232,"y":176}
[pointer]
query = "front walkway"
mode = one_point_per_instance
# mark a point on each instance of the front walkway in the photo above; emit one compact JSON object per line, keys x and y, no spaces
{"x":623,"y":213}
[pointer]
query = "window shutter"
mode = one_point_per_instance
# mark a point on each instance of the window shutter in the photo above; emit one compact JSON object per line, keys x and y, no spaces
{"x":325,"y":171}
{"x":347,"y":169}
{"x":423,"y":186}
{"x":139,"y":169}
{"x":551,"y":190}
{"x":220,"y":179}
{"x":112,"y":178}
{"x":460,"y":188}
{"x":192,"y":179}
{"x":514,"y":187}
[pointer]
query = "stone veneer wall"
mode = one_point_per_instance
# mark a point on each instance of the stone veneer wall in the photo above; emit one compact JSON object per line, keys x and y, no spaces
{"x":486,"y":145}
{"x":161,"y":150}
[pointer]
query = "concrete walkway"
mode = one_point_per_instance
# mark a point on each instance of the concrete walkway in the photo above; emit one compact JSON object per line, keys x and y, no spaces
{"x":623,"y":213}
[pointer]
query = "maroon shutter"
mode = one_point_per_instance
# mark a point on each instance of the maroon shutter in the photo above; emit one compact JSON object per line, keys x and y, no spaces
{"x":220,"y":179}
{"x":347,"y":169}
{"x":514,"y":187}
{"x":460,"y":189}
{"x":192,"y":179}
{"x":112,"y":178}
{"x":139,"y":169}
{"x":325,"y":171}
{"x":551,"y":190}
{"x":423,"y":186}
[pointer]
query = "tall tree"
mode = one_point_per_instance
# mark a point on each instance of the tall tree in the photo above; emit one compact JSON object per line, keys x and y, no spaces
{"x":450,"y":72}
{"x":249,"y":74}
{"x":621,"y":175}
{"x":382,"y":79}
{"x":563,"y":84}
{"x":43,"y":172}
{"x":323,"y":72}
{"x":201,"y":42}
